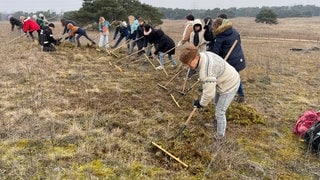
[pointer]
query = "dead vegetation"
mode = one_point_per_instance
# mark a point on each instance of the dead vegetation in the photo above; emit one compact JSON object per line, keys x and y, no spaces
{"x":83,"y":114}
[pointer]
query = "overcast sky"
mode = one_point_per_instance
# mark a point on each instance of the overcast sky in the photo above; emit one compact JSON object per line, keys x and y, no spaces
{"x":9,"y":6}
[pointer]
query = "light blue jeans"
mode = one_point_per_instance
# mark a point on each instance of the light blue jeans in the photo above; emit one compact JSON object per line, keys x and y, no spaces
{"x":170,"y":56}
{"x":222,"y":102}
{"x":103,"y":41}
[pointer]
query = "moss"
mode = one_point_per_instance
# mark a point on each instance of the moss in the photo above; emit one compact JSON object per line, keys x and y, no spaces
{"x":56,"y":153}
{"x":95,"y":168}
{"x":244,"y":115}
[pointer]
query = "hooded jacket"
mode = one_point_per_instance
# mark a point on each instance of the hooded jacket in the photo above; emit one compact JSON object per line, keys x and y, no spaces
{"x":225,"y":37}
{"x":164,"y":43}
{"x":30,"y":25}
{"x":187,"y":31}
{"x":201,"y":44}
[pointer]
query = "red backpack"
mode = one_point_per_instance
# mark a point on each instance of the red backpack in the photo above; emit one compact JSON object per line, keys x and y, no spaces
{"x":305,"y":121}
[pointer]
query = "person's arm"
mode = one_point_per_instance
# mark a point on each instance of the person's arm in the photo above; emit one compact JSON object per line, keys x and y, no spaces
{"x":12,"y":26}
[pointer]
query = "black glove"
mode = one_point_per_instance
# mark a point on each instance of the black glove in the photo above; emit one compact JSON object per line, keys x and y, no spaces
{"x":196,"y":104}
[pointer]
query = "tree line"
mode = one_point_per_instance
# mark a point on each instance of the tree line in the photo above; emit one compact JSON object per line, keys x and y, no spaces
{"x":91,"y":10}
{"x":281,"y":12}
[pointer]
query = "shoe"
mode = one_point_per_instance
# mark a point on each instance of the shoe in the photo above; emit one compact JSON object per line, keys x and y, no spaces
{"x":173,"y":66}
{"x":240,"y":99}
{"x":218,"y":137}
{"x":209,"y":125}
{"x":159,"y":67}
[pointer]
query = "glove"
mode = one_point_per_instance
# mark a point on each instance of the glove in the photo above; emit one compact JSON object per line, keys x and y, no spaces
{"x":196,"y":104}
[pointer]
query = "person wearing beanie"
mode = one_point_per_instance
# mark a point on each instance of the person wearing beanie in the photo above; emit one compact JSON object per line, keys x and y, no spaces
{"x":220,"y":82}
{"x":80,"y":32}
{"x":226,"y":35}
{"x":187,"y":30}
{"x":46,"y":38}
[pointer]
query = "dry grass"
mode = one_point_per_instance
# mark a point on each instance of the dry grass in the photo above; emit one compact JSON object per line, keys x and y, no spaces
{"x":80,"y":114}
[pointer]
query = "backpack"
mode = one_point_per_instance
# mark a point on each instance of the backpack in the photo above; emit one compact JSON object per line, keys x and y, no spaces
{"x":305,"y":121}
{"x":312,"y":137}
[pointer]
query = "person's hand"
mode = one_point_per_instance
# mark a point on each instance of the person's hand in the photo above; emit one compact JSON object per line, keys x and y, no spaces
{"x":196,"y":104}
{"x":179,"y":44}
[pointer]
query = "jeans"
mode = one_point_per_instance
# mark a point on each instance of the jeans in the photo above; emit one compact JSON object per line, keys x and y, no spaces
{"x":222,"y":102}
{"x":240,"y":90}
{"x":82,"y":32}
{"x":170,"y":56}
{"x":103,"y":41}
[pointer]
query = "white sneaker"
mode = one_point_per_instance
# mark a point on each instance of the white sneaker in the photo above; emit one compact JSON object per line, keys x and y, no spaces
{"x":159,"y":67}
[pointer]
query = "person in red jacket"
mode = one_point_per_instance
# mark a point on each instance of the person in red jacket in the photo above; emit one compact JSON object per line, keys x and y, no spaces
{"x":30,"y":26}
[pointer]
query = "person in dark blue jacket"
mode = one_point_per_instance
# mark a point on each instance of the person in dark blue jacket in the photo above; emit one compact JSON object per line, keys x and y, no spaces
{"x":123,"y":29}
{"x":226,"y":35}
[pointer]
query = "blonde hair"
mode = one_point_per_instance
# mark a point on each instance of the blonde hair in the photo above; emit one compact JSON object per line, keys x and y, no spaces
{"x":131,"y":19}
{"x":101,"y":19}
{"x":188,"y":53}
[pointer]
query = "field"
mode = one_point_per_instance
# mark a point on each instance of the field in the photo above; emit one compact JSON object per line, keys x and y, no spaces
{"x":82,"y":114}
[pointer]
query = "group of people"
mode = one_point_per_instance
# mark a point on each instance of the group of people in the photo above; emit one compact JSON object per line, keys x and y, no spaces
{"x":44,"y":30}
{"x":205,"y":50}
{"x":207,"y":53}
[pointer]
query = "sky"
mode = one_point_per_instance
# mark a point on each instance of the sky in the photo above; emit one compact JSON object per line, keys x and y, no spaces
{"x":8,"y":6}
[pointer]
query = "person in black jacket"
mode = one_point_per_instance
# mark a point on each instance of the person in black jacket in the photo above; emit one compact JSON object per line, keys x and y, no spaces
{"x":163,"y":45}
{"x":208,"y":34}
{"x":15,"y":22}
{"x":46,"y":38}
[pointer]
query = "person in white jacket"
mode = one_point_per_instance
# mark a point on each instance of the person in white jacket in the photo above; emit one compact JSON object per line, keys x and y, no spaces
{"x":197,"y":36}
{"x":220,"y":82}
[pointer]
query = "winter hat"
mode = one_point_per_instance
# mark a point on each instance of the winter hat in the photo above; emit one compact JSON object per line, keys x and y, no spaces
{"x":34,"y":17}
{"x":190,"y":17}
{"x":223,"y":16}
{"x":51,"y":25}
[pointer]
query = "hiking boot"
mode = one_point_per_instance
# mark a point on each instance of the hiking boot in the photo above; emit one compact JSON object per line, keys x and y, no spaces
{"x":159,"y":67}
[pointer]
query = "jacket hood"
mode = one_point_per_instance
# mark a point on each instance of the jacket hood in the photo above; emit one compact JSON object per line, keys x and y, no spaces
{"x":223,"y":27}
{"x":197,"y":22}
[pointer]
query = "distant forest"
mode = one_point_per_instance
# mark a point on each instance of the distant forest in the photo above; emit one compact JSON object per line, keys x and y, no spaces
{"x":282,"y":12}
{"x":117,"y":11}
